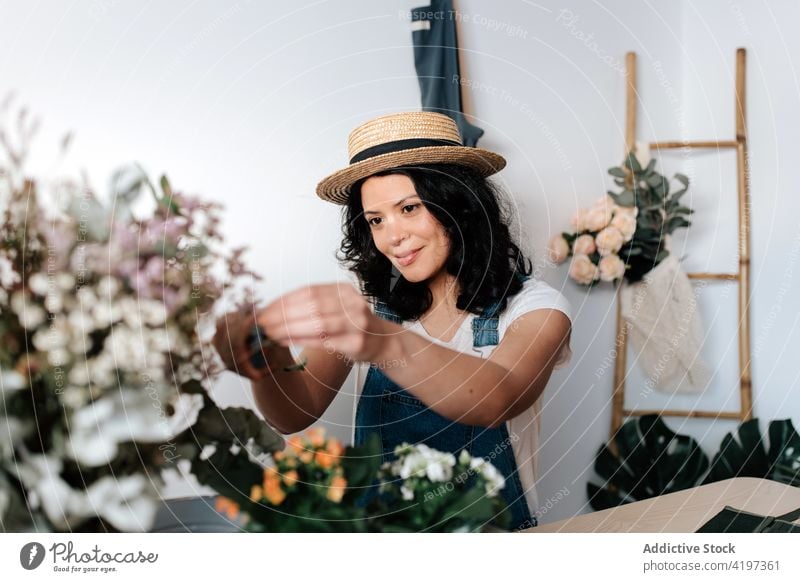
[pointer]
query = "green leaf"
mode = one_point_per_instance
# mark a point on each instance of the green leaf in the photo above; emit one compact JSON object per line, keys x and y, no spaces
{"x":651,"y":460}
{"x":682,"y":179}
{"x":617,"y":172}
{"x":626,"y":198}
{"x":632,"y":163}
{"x":784,"y":451}
{"x":675,"y":223}
{"x":741,"y":455}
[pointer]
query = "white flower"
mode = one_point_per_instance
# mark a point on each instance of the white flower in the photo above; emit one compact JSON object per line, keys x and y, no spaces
{"x":65,"y":282}
{"x":50,"y":338}
{"x":54,"y":302}
{"x":107,"y":287}
{"x":130,"y":312}
{"x":495,"y":479}
{"x":408,"y":494}
{"x":105,"y":313}
{"x":79,"y":374}
{"x":30,"y":315}
{"x":8,"y":276}
{"x":438,"y":473}
{"x":38,"y":284}
{"x":153,"y":312}
{"x":86,"y":297}
{"x":80,"y":320}
{"x":11,"y":380}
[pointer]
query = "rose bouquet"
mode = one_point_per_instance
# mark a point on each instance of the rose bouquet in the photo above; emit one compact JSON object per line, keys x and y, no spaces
{"x":624,"y":235}
{"x":103,"y":351}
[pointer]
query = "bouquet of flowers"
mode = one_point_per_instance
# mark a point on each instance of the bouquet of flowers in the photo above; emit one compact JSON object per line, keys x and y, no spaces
{"x":624,"y":234}
{"x":103,"y":351}
{"x":317,"y":485}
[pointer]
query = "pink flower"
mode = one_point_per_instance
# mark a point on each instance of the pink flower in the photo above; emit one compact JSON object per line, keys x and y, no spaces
{"x":611,"y":268}
{"x":558,"y":249}
{"x":609,"y":240}
{"x":625,"y":223}
{"x":583,"y":270}
{"x":584,"y":245}
{"x":598,"y":217}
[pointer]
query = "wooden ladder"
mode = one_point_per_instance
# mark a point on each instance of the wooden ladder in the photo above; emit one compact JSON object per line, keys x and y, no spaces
{"x":619,"y":412}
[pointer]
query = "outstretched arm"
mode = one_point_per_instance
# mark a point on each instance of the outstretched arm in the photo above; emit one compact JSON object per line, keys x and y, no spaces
{"x":472,"y":390}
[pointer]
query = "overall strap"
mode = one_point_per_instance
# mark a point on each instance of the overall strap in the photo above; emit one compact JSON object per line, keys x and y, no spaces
{"x":383,"y":311}
{"x":485,"y":326}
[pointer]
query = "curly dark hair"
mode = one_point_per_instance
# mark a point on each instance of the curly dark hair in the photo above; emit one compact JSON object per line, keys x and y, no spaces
{"x":474,"y":212}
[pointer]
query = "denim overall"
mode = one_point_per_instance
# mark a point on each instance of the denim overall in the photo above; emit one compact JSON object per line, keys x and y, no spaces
{"x":397,"y":416}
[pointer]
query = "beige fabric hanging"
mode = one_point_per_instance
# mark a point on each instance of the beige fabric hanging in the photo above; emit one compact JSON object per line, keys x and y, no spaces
{"x":665,"y":331}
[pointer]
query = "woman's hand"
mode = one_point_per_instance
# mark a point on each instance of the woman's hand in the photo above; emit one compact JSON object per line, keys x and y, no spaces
{"x":332,"y":317}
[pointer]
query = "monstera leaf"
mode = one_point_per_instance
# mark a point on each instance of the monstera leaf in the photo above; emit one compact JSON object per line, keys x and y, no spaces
{"x":742,"y":457}
{"x":747,"y":456}
{"x":650,"y":460}
{"x":784,"y":452}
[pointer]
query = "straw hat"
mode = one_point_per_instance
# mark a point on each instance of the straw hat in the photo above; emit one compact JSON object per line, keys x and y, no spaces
{"x":404,"y":139}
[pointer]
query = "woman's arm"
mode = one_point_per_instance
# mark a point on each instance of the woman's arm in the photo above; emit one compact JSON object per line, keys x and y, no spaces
{"x":463,"y":388}
{"x":289,"y":400}
{"x":472,"y":390}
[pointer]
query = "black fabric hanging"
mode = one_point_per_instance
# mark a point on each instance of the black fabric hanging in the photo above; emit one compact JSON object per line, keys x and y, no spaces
{"x":436,"y":61}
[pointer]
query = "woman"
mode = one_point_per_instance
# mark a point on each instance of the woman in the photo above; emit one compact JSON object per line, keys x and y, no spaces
{"x":457,"y":339}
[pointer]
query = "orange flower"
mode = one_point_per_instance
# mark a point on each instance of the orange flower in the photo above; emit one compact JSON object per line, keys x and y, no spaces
{"x":278,"y":455}
{"x":306,"y":456}
{"x":336,"y":489}
{"x":290,"y":477}
{"x":256,"y":493}
{"x":325,"y":460}
{"x":335,"y":447}
{"x":226,"y":506}
{"x":272,"y":489}
{"x":316,"y":436}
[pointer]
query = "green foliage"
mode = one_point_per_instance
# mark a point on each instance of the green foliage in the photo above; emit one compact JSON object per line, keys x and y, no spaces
{"x":652,"y":460}
{"x":660,"y":213}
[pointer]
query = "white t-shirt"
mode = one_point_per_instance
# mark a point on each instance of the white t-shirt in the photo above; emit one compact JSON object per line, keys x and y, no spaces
{"x":523,"y":430}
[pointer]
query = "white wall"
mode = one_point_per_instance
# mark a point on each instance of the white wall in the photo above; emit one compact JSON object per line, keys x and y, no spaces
{"x":251,"y":104}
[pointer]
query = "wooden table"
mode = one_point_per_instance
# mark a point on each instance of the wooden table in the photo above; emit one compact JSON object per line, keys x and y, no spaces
{"x":684,"y":511}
